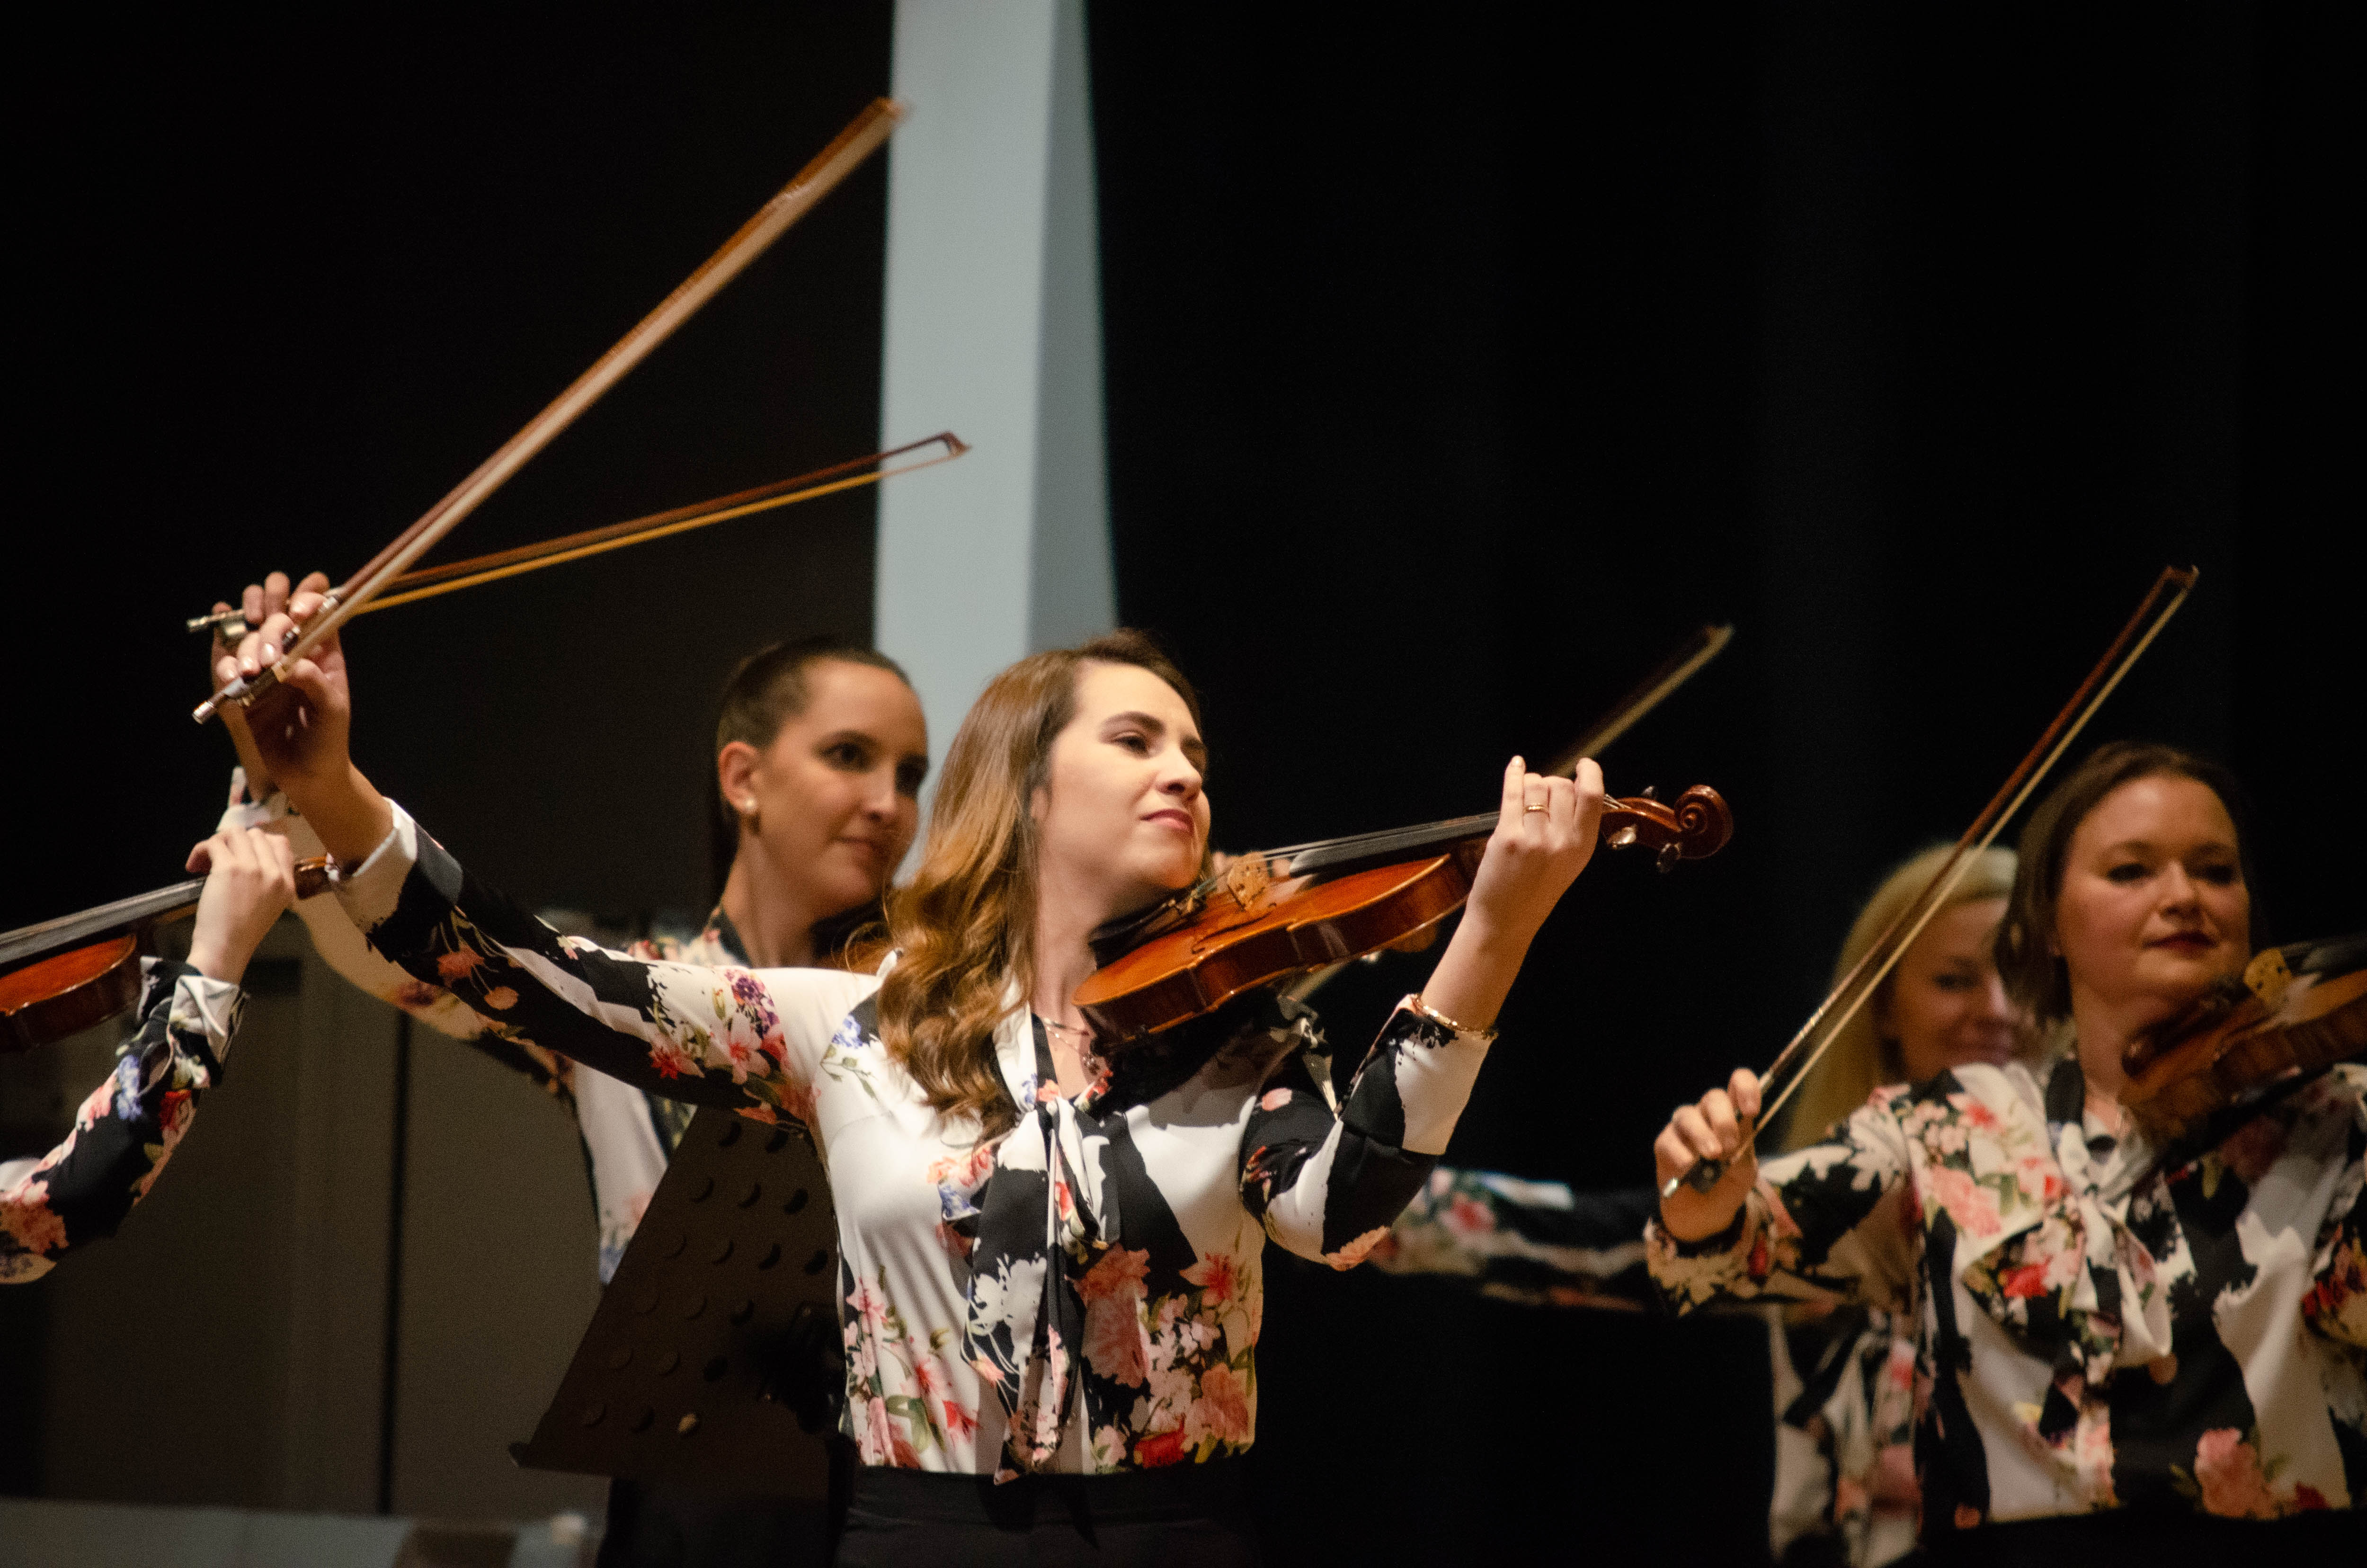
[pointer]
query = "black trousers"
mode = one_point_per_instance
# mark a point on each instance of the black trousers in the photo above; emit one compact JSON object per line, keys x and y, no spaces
{"x":1192,"y":1516}
{"x":658,"y":1524}
{"x":2154,"y":1541}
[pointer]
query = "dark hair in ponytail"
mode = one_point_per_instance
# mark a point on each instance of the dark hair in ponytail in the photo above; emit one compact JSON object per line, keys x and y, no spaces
{"x":764,"y":691}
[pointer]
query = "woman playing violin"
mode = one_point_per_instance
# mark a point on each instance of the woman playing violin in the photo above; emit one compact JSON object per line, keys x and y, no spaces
{"x":2102,"y":1363}
{"x":1051,"y":1241}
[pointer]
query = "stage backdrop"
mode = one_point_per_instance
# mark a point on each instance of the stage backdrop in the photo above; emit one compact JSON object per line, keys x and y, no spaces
{"x":1455,"y":366}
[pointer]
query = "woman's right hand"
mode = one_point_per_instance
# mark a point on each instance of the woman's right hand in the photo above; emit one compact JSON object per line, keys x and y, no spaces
{"x":301,"y":729}
{"x":1717,"y":1127}
{"x":258,"y":604}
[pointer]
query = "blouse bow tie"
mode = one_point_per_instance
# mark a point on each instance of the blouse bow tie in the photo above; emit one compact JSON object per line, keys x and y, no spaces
{"x":1032,"y":1213}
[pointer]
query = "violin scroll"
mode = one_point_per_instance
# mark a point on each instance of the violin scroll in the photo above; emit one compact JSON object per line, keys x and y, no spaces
{"x":1696,"y":825}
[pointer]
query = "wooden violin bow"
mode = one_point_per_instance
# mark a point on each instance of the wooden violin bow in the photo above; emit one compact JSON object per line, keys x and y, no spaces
{"x":816,"y":179}
{"x":428,"y":582}
{"x":1792,"y":1065}
{"x":1672,"y":672}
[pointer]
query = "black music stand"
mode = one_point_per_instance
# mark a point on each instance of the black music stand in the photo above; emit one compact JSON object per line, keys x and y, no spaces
{"x":714,"y":1360}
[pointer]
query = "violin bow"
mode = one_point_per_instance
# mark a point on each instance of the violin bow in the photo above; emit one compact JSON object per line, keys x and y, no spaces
{"x":429,"y":581}
{"x":861,"y":138}
{"x":1799,"y":1057}
{"x":1672,"y":671}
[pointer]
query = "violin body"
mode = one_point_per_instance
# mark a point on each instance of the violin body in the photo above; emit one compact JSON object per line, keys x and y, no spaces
{"x":2301,"y":1009}
{"x":76,"y":990}
{"x":1327,"y":908}
{"x":66,"y":976}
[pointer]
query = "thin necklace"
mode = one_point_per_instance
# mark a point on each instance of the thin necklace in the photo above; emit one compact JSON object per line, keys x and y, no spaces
{"x":1084,"y":1033}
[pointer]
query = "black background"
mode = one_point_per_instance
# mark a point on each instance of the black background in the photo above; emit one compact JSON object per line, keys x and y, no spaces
{"x":1458,"y":365}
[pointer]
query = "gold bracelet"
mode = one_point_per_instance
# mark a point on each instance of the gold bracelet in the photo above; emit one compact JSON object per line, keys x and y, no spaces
{"x":1424,"y":1010}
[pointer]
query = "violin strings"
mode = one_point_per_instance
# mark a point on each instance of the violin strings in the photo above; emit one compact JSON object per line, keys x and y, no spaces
{"x":1673,"y":672}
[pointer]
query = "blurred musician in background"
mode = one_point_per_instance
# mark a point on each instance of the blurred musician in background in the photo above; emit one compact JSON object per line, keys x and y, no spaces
{"x":125,"y":1131}
{"x":1844,"y":1469}
{"x":2119,"y":1349}
{"x":820,"y":752}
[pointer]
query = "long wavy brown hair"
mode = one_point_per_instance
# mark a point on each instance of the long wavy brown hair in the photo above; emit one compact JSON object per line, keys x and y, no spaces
{"x":965,"y":922}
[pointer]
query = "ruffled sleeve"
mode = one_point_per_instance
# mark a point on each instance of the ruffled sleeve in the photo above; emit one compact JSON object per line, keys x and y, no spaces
{"x":744,"y":1040}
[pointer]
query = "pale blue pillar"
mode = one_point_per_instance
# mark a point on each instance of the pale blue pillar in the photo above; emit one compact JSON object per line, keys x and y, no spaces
{"x":993,"y":331}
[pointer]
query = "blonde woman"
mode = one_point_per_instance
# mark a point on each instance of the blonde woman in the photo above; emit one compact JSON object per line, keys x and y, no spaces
{"x":1050,"y":1243}
{"x":1941,"y":1007}
{"x":1845,"y":1464}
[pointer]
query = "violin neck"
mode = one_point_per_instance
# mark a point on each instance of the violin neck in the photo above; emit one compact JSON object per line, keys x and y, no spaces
{"x":30,"y":942}
{"x":1345,"y":855}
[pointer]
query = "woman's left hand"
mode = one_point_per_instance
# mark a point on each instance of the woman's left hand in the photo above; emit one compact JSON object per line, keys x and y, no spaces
{"x":1544,"y":836}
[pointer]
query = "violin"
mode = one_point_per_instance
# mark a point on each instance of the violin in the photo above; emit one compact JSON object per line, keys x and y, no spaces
{"x":1272,"y":915}
{"x":63,"y":976}
{"x":2298,"y":1010}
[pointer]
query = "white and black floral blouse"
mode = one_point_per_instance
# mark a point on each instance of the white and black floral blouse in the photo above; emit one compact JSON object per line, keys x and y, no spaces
{"x":2196,"y":1343}
{"x":127,"y":1128}
{"x":628,"y":1135}
{"x":1539,"y":1243}
{"x":1081,"y":1294}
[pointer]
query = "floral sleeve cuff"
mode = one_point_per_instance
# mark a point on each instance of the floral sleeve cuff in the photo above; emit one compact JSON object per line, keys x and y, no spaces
{"x":202,"y":1007}
{"x":1731,"y":1263}
{"x":243,"y":812}
{"x":370,"y":891}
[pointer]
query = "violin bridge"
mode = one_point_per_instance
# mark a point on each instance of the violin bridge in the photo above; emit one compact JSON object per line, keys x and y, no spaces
{"x":1247,"y":878}
{"x":2268,"y":977}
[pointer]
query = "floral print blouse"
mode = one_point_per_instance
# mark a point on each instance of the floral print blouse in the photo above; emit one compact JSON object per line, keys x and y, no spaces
{"x":629,"y":1136}
{"x":127,"y":1128}
{"x":2196,"y":1342}
{"x":1539,"y":1243}
{"x":1079,"y":1294}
